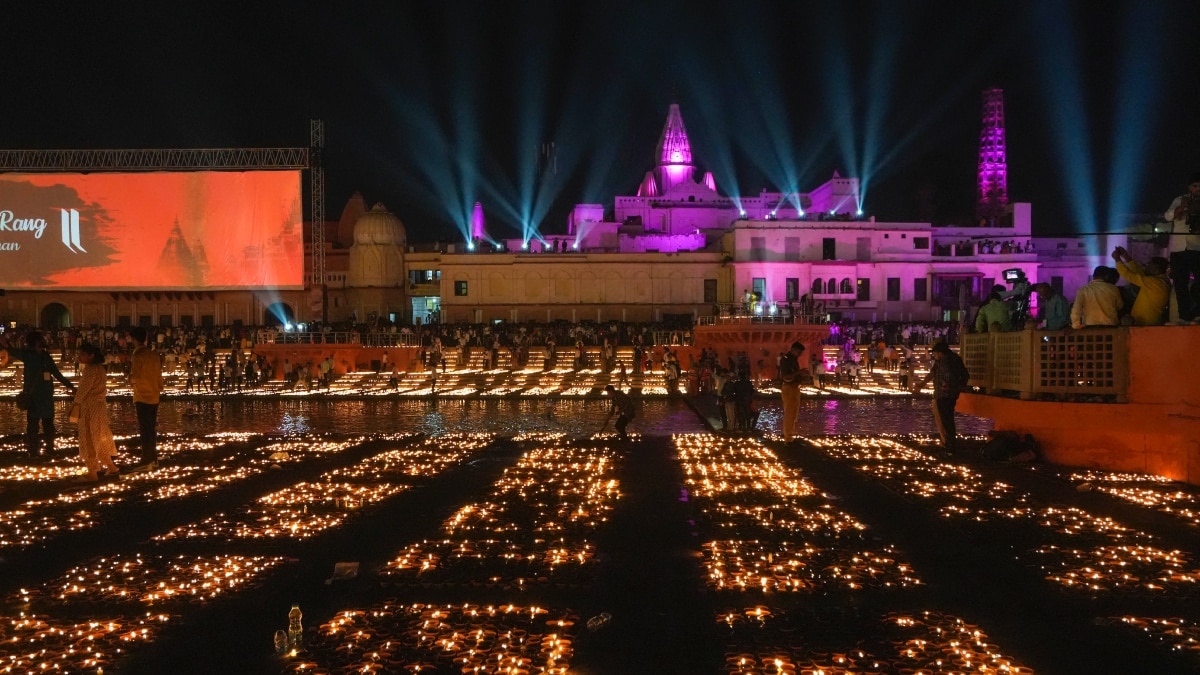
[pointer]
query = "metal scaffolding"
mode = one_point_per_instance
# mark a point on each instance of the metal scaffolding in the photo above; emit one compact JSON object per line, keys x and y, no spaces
{"x":195,"y":159}
{"x":316,"y":174}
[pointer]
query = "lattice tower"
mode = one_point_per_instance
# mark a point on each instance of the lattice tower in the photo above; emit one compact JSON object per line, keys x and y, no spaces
{"x":993,"y":162}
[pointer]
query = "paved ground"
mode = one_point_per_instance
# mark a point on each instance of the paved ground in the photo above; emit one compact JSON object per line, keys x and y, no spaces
{"x":875,"y":556}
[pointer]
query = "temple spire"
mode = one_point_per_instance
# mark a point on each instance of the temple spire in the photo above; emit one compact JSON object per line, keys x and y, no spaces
{"x":673,"y":145}
{"x":674,"y":154}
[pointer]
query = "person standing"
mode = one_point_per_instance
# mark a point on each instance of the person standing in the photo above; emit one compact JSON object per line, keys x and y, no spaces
{"x":790,"y":374}
{"x":950,"y":376}
{"x":1150,"y":307}
{"x":743,"y":398}
{"x":1097,"y":303}
{"x":145,"y":377}
{"x":623,"y":407}
{"x":37,"y":388}
{"x":96,"y":445}
{"x":1184,"y":214}
{"x":993,"y":315}
{"x":1053,"y":311}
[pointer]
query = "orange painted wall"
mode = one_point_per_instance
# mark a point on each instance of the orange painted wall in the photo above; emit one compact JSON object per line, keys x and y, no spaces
{"x":1157,"y":431}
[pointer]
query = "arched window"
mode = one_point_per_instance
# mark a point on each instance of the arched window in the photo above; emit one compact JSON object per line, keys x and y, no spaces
{"x":847,"y":287}
{"x":831,"y":286}
{"x":818,"y":287}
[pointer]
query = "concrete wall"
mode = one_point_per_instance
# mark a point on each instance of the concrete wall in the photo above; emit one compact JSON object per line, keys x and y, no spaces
{"x":1157,"y":432}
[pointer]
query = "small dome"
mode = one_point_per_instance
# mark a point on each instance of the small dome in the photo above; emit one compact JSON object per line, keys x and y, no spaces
{"x":379,"y":226}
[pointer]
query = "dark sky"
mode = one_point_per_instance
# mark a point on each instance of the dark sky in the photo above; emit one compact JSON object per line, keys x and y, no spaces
{"x":429,"y":106}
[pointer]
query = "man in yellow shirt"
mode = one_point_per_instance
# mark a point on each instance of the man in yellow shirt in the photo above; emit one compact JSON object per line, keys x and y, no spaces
{"x":1097,"y":303}
{"x":145,"y":377}
{"x":1154,"y":295}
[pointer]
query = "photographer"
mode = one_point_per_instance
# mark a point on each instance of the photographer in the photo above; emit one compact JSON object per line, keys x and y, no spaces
{"x":1017,"y":298}
{"x":1154,"y":293}
{"x":1184,"y":212}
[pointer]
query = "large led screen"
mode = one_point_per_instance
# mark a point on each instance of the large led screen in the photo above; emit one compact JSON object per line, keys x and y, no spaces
{"x":163,"y":231}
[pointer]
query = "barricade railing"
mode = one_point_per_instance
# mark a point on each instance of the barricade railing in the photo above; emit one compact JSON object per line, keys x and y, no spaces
{"x":347,"y":337}
{"x":673,"y":338}
{"x":1089,"y":362}
{"x":722,"y":319}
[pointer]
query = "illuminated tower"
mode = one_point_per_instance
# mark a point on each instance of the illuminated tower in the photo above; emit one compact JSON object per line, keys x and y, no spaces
{"x":478,"y":225}
{"x":674,"y":153}
{"x":993,"y":165}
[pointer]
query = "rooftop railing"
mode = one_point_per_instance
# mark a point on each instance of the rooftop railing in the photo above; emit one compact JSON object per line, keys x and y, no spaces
{"x":761,"y":312}
{"x":1076,"y":364}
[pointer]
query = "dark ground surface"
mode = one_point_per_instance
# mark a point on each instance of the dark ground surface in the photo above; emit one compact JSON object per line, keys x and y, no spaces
{"x":648,"y":571}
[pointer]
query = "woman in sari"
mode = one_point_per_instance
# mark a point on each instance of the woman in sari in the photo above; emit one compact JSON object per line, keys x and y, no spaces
{"x":96,"y":445}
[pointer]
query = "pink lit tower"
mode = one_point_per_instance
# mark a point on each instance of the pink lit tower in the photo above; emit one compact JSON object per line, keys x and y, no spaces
{"x":993,"y":164}
{"x":674,"y":160}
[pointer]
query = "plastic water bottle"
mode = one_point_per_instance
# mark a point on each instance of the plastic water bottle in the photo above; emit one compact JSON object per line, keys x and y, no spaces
{"x":599,"y":621}
{"x":295,"y":632}
{"x":281,"y":642}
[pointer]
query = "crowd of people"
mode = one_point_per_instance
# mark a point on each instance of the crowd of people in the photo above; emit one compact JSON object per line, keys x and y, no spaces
{"x":1157,"y":292}
{"x":984,"y":247}
{"x":1145,"y":300}
{"x":221,"y":358}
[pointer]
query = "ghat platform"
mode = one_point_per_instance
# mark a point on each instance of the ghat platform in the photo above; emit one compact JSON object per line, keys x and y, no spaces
{"x":1120,"y":399}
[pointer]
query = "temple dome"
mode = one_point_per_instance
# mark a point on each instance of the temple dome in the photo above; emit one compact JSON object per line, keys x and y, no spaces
{"x":379,"y":226}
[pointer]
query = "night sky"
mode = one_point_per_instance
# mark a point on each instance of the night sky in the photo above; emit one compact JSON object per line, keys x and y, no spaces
{"x":430,"y":107}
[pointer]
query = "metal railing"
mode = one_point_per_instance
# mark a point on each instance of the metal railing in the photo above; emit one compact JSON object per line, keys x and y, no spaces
{"x":762,"y":312}
{"x":348,"y":337}
{"x":1079,"y":363}
{"x":673,"y":338}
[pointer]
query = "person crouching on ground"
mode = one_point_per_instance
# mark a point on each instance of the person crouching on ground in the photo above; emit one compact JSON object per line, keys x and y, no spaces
{"x":96,"y":445}
{"x":622,"y":406}
{"x":949,"y":376}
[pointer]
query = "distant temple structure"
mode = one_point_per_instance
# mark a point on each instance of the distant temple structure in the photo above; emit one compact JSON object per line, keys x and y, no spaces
{"x":679,"y":248}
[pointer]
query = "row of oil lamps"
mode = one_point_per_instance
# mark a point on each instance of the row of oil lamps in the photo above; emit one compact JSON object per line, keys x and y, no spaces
{"x":793,"y":539}
{"x":40,"y":643}
{"x":536,"y":521}
{"x":1087,"y":553}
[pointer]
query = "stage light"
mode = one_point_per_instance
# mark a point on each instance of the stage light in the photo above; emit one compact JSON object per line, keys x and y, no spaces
{"x":742,"y":212}
{"x":859,"y":212}
{"x":287,"y":327}
{"x":525,"y":245}
{"x":470,"y":246}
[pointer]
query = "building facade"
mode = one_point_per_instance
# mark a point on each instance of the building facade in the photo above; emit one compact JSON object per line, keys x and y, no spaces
{"x":679,"y":248}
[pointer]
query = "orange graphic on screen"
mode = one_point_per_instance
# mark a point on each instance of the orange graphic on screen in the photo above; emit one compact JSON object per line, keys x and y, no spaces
{"x":169,"y":231}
